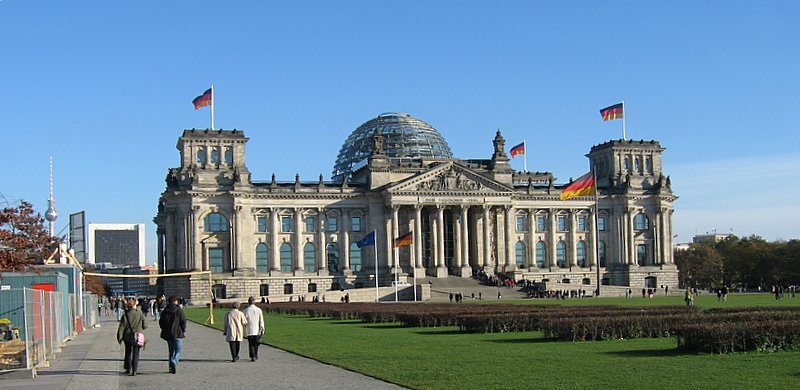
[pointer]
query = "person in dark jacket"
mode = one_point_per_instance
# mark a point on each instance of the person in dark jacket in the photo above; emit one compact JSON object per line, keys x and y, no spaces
{"x":173,"y":328}
{"x":132,"y":322}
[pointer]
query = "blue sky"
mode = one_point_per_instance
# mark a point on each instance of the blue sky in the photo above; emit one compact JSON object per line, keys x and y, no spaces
{"x":105,"y":87}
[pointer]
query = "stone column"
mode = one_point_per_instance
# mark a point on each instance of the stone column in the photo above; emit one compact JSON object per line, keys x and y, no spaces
{"x":630,"y":238}
{"x":323,"y":248}
{"x":530,"y":256}
{"x":658,"y":256}
{"x":181,"y":247}
{"x":197,"y":248}
{"x":466,"y":270}
{"x":593,"y":239}
{"x":457,"y":241}
{"x":551,"y":248}
{"x":274,"y":245}
{"x":441,"y":268}
{"x":572,"y":256}
{"x":668,"y":238}
{"x":298,"y":242}
{"x":396,"y":268}
{"x":509,"y":263}
{"x":344,"y":235}
{"x":238,"y":261}
{"x":486,"y":261}
{"x":170,"y":244}
{"x":418,"y":241}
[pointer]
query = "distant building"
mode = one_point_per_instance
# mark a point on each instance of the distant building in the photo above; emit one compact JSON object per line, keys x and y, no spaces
{"x":129,"y":286}
{"x":710,"y":238}
{"x":119,"y":244}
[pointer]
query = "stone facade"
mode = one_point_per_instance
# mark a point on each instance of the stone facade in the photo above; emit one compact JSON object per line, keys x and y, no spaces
{"x":281,"y":239}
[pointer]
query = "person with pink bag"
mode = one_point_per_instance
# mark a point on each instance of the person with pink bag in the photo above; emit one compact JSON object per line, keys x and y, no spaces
{"x":131,"y":332}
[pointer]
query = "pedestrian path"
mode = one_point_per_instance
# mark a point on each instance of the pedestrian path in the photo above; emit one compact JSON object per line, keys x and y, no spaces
{"x":94,"y":361}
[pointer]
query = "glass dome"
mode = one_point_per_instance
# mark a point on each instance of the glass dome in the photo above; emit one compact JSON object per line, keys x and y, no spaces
{"x":404,"y":137}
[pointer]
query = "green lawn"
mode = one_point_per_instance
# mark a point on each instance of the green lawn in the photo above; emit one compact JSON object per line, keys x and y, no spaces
{"x":444,"y":358}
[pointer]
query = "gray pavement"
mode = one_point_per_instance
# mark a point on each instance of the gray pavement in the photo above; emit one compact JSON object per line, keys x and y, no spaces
{"x":93,"y":360}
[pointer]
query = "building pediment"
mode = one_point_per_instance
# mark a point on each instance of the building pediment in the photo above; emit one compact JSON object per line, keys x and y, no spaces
{"x":450,"y":178}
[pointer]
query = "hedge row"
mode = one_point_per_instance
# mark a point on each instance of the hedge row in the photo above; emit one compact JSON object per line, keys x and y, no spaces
{"x":715,"y":330}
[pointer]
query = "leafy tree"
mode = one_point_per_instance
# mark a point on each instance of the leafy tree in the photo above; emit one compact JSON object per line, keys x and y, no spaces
{"x":95,"y":284}
{"x":700,"y":266}
{"x":24,"y":241}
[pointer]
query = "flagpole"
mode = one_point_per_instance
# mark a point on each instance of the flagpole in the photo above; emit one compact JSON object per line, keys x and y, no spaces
{"x":624,"y":114}
{"x":595,"y":238}
{"x":375,"y":246}
{"x":396,"y":270}
{"x":212,"y":106}
{"x":525,"y":155}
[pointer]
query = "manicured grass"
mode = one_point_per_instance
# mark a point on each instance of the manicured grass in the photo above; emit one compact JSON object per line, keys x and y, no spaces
{"x":444,"y":358}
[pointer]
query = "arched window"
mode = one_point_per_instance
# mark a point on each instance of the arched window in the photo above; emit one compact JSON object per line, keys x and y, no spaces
{"x":601,"y":253}
{"x":520,"y":252}
{"x":580,"y":253}
{"x":648,"y":165}
{"x":215,"y":222}
{"x":636,"y":166}
{"x":640,"y":222}
{"x":355,"y":258}
{"x":201,"y":156}
{"x":541,"y":254}
{"x":286,"y":257}
{"x":309,"y":258}
{"x":215,"y":155}
{"x":333,"y":257}
{"x":262,"y":258}
{"x":561,"y":254}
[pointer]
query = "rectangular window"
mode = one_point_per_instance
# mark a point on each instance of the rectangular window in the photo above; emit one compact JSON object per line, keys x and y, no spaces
{"x":262,"y":224}
{"x":333,"y":224}
{"x":356,"y":224}
{"x":582,"y":224}
{"x":641,"y":254}
{"x":310,"y":225}
{"x":562,"y":223}
{"x":541,"y":223}
{"x":601,"y":224}
{"x":215,"y":260}
{"x":521,"y":224}
{"x":286,"y":224}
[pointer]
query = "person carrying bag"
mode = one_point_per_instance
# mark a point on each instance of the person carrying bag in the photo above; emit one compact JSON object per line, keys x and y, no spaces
{"x":131,"y":332}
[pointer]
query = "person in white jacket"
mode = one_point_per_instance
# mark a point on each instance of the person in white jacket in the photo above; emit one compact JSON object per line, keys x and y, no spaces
{"x":255,"y":327}
{"x":234,"y":330}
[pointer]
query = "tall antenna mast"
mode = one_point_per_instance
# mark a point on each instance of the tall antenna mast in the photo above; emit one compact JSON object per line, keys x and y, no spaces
{"x":51,"y":215}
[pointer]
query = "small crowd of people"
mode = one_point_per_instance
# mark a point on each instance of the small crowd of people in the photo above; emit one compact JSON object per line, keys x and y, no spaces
{"x":238,"y":325}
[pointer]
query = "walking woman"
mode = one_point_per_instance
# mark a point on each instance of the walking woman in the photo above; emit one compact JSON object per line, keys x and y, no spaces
{"x":131,"y":323}
{"x":235,"y":322}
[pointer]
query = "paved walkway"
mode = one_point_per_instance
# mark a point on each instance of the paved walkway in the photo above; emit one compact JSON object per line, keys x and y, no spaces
{"x":93,"y":360}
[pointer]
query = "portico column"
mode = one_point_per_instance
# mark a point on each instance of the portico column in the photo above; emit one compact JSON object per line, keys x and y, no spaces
{"x":323,"y":249}
{"x":162,"y":267}
{"x":344,"y":228}
{"x":552,"y":259}
{"x":658,"y":256}
{"x":236,"y":254}
{"x":418,"y":240}
{"x":395,"y":235}
{"x":441,"y":268}
{"x":530,"y":257}
{"x":274,"y":258}
{"x":668,"y":237}
{"x":509,"y":263}
{"x":487,"y":240}
{"x":630,"y":238}
{"x":593,"y":239}
{"x":466,"y":270}
{"x":457,"y":240}
{"x":298,"y":241}
{"x":572,"y":256}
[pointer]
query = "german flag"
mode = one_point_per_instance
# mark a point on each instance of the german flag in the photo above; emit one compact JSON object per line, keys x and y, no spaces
{"x":404,"y":240}
{"x":519,"y":149}
{"x":583,"y":186}
{"x":202,"y":100}
{"x":612,"y":112}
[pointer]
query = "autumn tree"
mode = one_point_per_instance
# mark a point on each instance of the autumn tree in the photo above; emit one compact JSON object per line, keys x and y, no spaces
{"x":24,"y":241}
{"x":95,"y":284}
{"x":700,"y":266}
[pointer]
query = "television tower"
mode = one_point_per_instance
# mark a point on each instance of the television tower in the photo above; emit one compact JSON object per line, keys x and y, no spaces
{"x":51,"y":215}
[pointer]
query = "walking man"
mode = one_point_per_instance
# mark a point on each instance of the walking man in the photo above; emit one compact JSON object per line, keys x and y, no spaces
{"x":255,"y":327}
{"x":173,"y":329}
{"x":234,"y":330}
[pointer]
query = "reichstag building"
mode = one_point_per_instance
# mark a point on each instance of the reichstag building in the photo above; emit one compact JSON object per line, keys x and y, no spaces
{"x":396,"y":174}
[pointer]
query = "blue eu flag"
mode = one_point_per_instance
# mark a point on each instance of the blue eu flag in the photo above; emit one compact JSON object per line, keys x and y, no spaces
{"x":368,"y":240}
